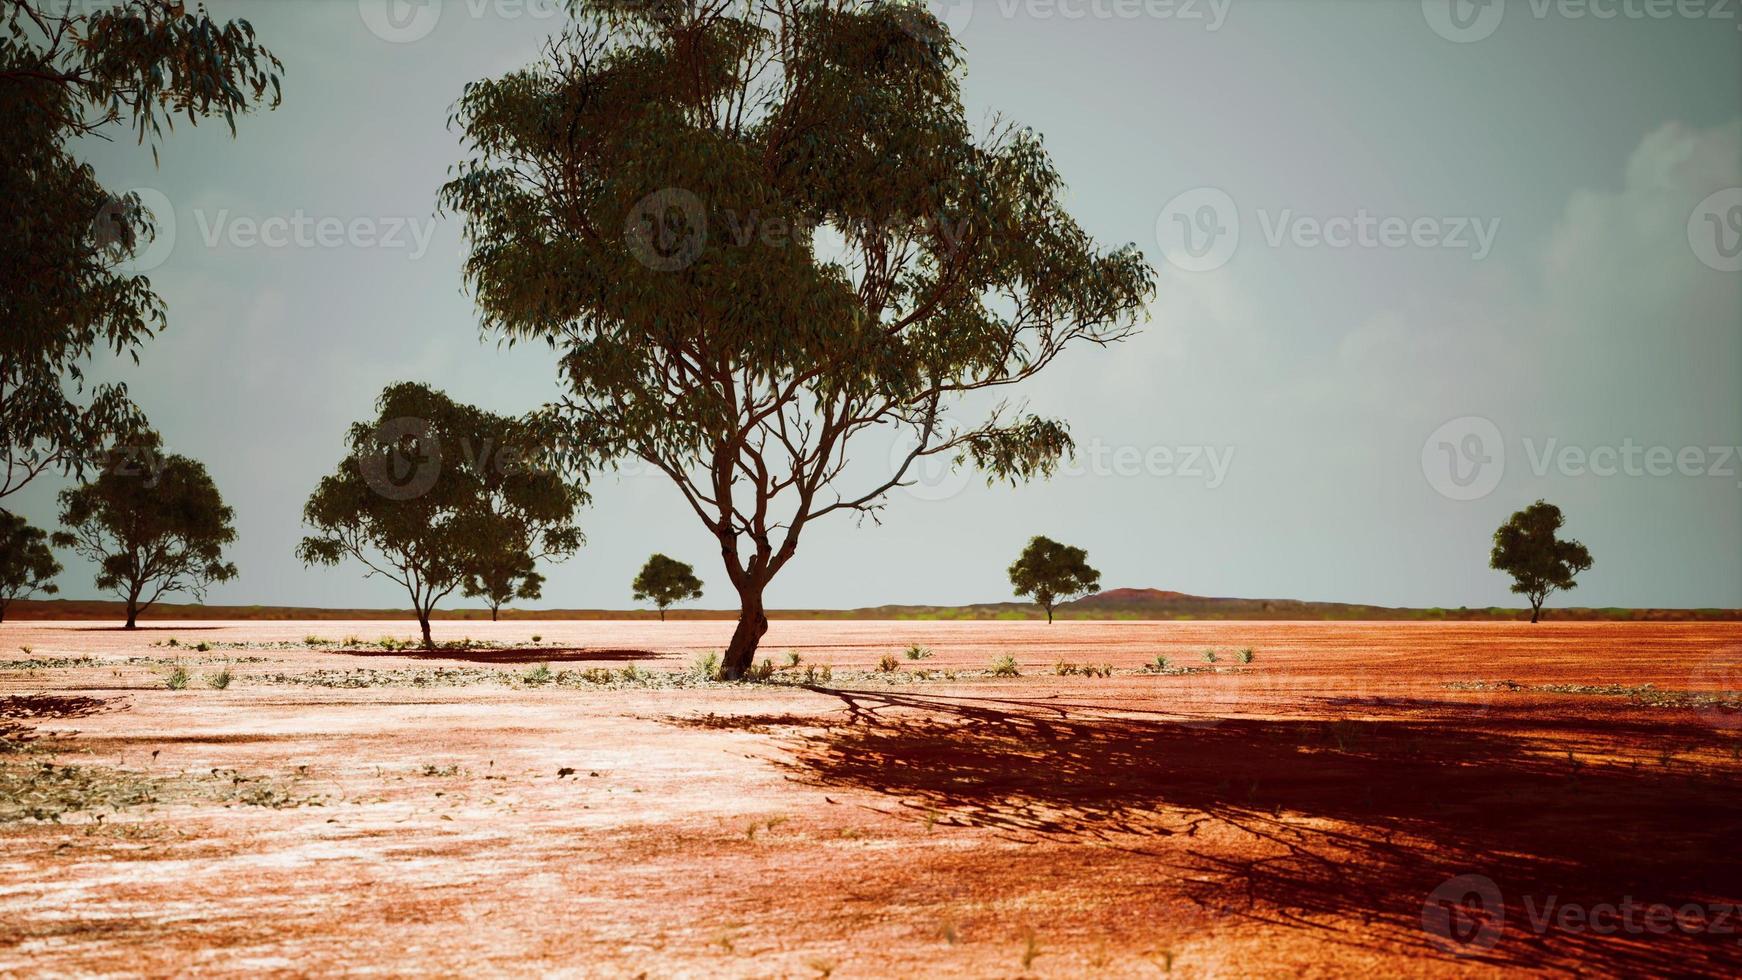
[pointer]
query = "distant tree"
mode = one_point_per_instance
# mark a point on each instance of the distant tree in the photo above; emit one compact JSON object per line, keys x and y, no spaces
{"x":664,"y":581}
{"x":1049,"y":572}
{"x":439,"y":496}
{"x":151,"y":529}
{"x":754,"y":232}
{"x":27,"y":567}
{"x":1526,"y":548}
{"x":71,"y":71}
{"x":504,"y":575}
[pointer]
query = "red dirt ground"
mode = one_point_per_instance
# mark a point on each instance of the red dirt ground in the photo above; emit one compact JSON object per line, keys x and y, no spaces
{"x":1293,"y":815}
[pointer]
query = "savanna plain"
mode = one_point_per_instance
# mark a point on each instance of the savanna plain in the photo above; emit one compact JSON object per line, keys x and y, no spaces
{"x":886,"y":799}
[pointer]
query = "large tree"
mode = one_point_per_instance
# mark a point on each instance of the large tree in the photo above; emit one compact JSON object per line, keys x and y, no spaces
{"x":27,"y":567}
{"x":70,"y":71}
{"x":664,"y":581}
{"x":153,"y":524}
{"x":1527,"y":548}
{"x":436,"y":495}
{"x":757,"y":232}
{"x":1049,"y":572}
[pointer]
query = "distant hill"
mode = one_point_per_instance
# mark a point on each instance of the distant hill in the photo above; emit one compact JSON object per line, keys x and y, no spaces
{"x":1131,"y":604}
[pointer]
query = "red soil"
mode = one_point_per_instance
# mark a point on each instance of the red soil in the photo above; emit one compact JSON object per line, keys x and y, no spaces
{"x":1292,"y":815}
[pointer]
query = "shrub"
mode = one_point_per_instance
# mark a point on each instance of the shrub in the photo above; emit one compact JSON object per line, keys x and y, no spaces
{"x":761,"y":672}
{"x":917,"y":652}
{"x":1209,"y":656}
{"x":792,"y":658}
{"x":314,"y":641}
{"x":177,"y":679}
{"x":1246,"y":655}
{"x":1005,"y":666}
{"x":1064,"y":668}
{"x":538,"y":675}
{"x":219,"y":680}
{"x":537,"y":638}
{"x":203,"y":647}
{"x":887,"y":664}
{"x":706,"y":666}
{"x":1160,"y":664}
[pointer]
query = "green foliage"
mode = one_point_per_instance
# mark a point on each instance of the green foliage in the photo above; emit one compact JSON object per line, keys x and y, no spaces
{"x":177,"y":678}
{"x":439,"y":496}
{"x":1005,"y":666}
{"x":654,"y":199}
{"x":706,"y":666}
{"x":1049,"y":572}
{"x":1526,"y":547}
{"x":537,"y":676}
{"x":220,"y":680}
{"x":1209,"y":656}
{"x":150,"y":532}
{"x":917,"y":652}
{"x":27,"y":567}
{"x":71,"y":71}
{"x":1246,"y":655}
{"x":664,"y":581}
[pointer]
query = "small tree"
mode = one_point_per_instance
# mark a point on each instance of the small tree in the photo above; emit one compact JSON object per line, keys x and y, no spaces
{"x":665,"y":581}
{"x":504,"y":575}
{"x":27,"y":567}
{"x":151,"y":530}
{"x":1526,"y":548}
{"x":1049,"y":572}
{"x":439,"y":496}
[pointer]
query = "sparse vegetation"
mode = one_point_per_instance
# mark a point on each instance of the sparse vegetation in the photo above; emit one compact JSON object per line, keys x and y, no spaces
{"x":220,"y":680}
{"x":917,"y":652}
{"x":1209,"y":656}
{"x":1246,"y":655}
{"x":177,"y":678}
{"x":538,"y":676}
{"x":887,"y":664}
{"x":706,"y":666}
{"x":1005,"y":666}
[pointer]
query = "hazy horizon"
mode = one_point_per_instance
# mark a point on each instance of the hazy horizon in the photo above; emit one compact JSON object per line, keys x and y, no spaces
{"x":1475,"y":266}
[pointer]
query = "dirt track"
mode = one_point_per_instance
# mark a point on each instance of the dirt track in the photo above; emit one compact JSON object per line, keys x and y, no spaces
{"x":453,"y":815}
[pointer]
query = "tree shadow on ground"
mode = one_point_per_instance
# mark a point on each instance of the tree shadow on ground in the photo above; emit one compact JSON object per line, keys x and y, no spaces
{"x":53,"y":706}
{"x":1341,"y":826}
{"x":527,"y":655}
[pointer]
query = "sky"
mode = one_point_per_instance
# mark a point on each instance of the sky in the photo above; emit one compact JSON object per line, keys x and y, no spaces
{"x":1419,"y":265}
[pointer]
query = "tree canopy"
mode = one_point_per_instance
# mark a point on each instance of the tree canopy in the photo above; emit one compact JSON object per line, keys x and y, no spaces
{"x":64,"y":296}
{"x":664,"y":581}
{"x":1049,"y":572}
{"x":27,"y":567}
{"x":1527,"y":548}
{"x":438,"y":496}
{"x":153,"y":524}
{"x":754,"y":233}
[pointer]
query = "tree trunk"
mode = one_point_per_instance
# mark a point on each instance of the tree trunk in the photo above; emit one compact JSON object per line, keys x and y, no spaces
{"x":1535,"y":612}
{"x":3,"y":604}
{"x":662,"y":614}
{"x":493,"y":611}
{"x":752,"y":624}
{"x":423,"y":621}
{"x":1049,"y":615}
{"x":132,"y":613}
